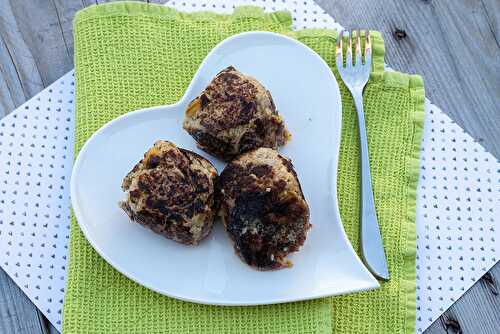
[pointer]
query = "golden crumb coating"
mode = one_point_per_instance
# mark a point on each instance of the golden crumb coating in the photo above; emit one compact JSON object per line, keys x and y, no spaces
{"x":234,"y":114}
{"x":171,"y":191}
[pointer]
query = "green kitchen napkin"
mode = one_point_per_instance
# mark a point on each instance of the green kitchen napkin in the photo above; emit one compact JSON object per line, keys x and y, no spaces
{"x":132,"y":55}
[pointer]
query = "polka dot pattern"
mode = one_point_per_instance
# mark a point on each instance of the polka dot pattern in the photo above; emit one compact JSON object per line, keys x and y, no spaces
{"x":457,"y":198}
{"x":458,"y":206}
{"x":36,"y":155}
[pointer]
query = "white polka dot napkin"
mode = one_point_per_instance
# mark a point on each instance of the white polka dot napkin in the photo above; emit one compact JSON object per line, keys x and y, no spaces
{"x":36,"y":156}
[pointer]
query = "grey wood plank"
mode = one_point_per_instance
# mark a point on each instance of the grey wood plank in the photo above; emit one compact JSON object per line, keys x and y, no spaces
{"x":41,"y":29}
{"x":452,"y":44}
{"x":6,"y":100}
{"x":17,"y":314}
{"x":66,"y":10}
{"x":36,"y":46}
{"x":88,"y":2}
{"x":492,"y":18}
{"x":52,"y":329}
{"x":18,"y":70}
{"x":476,"y":312}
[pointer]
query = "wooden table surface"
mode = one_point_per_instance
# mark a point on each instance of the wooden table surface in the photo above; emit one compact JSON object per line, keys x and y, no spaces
{"x":453,"y":44}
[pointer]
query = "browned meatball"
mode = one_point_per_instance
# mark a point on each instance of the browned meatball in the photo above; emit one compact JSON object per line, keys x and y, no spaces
{"x":171,"y":191}
{"x":234,"y":114}
{"x":263,"y":208}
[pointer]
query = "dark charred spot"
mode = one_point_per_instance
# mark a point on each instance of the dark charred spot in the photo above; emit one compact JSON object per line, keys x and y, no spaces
{"x":198,"y":206}
{"x":229,"y":174}
{"x":201,"y":187}
{"x":279,"y":185}
{"x":273,"y":106}
{"x":142,"y":185}
{"x":203,"y":101}
{"x":281,"y":208}
{"x":247,"y":110}
{"x":200,"y":182}
{"x":149,"y":202}
{"x":190,"y":211}
{"x":227,"y":76}
{"x":153,"y":161}
{"x":227,"y":69}
{"x":248,"y":142}
{"x":260,"y":129}
{"x":211,"y":143}
{"x":176,"y":217}
{"x":288,"y":164}
{"x":195,"y":178}
{"x":249,"y":209}
{"x":261,"y":170}
{"x":134,"y":194}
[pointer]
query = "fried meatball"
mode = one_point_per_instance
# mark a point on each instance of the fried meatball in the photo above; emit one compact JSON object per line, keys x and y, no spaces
{"x":263,"y":208}
{"x":233,"y":115}
{"x":171,"y":191}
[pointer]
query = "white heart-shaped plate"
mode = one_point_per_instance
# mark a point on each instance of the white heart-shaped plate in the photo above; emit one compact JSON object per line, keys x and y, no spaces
{"x":307,"y":96}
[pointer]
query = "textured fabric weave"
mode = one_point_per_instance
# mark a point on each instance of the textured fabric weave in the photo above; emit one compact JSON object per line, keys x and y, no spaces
{"x":133,"y":55}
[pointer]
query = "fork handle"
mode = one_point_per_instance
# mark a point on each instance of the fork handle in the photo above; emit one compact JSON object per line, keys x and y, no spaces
{"x":372,"y":247}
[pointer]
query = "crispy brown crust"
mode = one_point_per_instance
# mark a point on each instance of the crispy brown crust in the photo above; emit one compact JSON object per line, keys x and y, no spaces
{"x":263,"y":208}
{"x":234,"y":114}
{"x":171,"y":191}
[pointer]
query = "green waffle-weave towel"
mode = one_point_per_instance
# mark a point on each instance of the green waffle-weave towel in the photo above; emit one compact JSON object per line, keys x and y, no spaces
{"x":133,"y":55}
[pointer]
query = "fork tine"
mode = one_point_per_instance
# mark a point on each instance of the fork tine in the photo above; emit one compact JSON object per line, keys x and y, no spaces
{"x":348,"y":54}
{"x":358,"y":48}
{"x":338,"y":52}
{"x":368,"y":49}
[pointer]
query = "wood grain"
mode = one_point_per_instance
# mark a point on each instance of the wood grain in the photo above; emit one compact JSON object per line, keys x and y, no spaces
{"x":40,"y":27}
{"x":476,"y":312}
{"x":18,"y":70}
{"x":17,"y":314}
{"x":453,"y":44}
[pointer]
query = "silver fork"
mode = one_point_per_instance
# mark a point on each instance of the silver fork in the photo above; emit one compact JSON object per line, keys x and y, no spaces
{"x":355,"y":76}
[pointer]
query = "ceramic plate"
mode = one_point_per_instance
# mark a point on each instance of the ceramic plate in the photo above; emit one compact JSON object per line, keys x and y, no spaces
{"x":307,"y":95}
